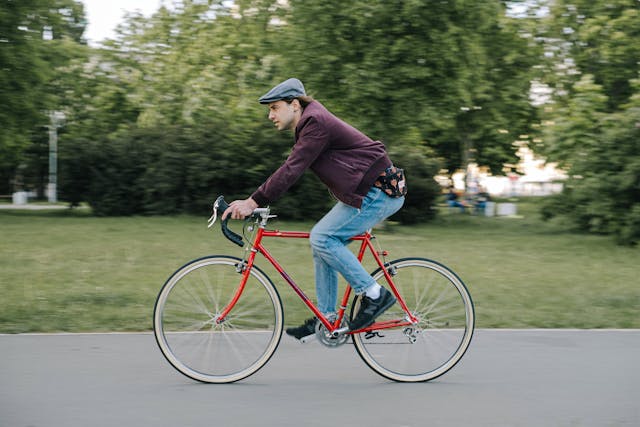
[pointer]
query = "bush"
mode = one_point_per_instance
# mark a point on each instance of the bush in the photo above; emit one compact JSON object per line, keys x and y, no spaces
{"x":149,"y":171}
{"x":178,"y":170}
{"x":600,"y":204}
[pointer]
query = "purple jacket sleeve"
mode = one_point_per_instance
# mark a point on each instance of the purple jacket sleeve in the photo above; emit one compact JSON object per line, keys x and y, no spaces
{"x":310,"y":143}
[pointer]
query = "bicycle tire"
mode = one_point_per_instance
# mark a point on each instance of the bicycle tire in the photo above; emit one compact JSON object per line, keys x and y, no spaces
{"x":185,"y":327}
{"x":433,"y":346}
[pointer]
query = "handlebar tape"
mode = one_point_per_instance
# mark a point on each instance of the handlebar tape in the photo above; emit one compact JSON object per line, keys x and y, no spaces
{"x":233,"y":237}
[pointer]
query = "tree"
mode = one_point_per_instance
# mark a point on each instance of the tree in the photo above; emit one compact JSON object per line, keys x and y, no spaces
{"x":189,"y":74}
{"x":459,"y":71}
{"x":592,"y":127}
{"x":598,"y":38}
{"x":36,"y":36}
{"x":434,"y":82}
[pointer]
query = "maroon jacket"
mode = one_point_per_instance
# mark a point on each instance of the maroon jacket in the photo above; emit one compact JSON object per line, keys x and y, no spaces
{"x":346,"y":160}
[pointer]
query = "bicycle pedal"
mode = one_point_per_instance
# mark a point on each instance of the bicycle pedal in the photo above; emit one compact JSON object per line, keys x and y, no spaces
{"x":306,"y":339}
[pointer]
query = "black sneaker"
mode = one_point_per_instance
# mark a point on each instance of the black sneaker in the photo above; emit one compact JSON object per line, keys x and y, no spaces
{"x":370,"y":309}
{"x":309,"y":328}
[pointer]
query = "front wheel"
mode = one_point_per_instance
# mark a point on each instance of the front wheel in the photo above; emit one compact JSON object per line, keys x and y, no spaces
{"x":193,"y":338}
{"x":423,"y":351}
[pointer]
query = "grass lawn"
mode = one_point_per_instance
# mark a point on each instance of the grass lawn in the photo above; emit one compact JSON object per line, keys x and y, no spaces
{"x":68,"y":271}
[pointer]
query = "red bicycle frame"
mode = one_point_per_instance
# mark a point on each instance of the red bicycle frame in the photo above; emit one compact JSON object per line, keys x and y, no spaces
{"x":365,"y":244}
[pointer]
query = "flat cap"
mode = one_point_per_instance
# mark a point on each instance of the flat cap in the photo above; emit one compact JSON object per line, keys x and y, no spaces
{"x":288,"y":89}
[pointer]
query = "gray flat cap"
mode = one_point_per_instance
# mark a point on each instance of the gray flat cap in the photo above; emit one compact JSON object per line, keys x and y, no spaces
{"x":288,"y":89}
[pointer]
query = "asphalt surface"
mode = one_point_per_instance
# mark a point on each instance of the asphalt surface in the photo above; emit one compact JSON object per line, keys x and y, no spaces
{"x":507,"y":378}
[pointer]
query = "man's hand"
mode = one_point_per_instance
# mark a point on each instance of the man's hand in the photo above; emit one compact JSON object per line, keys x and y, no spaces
{"x":240,"y":209}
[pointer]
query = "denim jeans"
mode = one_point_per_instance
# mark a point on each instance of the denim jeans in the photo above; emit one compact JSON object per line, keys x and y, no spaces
{"x":330,"y":236}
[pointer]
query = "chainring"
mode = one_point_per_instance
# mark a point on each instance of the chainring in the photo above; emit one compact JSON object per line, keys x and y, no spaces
{"x":328,"y":340}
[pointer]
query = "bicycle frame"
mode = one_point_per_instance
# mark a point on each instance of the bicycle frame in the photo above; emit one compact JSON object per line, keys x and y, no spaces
{"x":334,"y":327}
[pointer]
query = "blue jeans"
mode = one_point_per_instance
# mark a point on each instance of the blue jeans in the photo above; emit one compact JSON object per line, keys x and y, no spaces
{"x":330,"y":236}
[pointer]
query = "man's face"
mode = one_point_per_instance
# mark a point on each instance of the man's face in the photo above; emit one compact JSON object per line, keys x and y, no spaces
{"x":283,"y":114}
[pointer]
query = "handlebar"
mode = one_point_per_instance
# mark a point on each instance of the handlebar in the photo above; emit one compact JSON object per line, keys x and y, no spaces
{"x":221,"y":205}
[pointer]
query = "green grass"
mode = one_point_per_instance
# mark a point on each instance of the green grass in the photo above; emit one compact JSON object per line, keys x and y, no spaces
{"x":69,"y":271}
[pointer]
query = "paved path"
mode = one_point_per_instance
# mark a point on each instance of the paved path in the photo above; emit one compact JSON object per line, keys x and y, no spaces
{"x":562,"y":378}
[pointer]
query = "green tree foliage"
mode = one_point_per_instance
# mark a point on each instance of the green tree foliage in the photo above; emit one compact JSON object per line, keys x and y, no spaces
{"x":456,"y":71}
{"x":164,"y":117}
{"x":421,"y":165}
{"x":592,"y":128}
{"x":597,"y":38}
{"x":188,"y":73}
{"x":35,"y":40}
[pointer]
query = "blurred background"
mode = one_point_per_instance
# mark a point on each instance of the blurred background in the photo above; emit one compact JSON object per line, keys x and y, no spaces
{"x":484,"y":100}
{"x":517,"y":124}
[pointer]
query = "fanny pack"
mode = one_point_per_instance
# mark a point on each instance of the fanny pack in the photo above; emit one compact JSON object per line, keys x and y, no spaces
{"x":392,"y":182}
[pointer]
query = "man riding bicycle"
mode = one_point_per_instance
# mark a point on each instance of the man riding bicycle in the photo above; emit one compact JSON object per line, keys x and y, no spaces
{"x":357,"y":171}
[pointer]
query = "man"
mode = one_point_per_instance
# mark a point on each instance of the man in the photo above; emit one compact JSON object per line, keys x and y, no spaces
{"x":358,"y":172}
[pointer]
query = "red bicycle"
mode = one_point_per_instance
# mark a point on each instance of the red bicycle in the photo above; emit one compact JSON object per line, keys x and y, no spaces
{"x":219,"y":319}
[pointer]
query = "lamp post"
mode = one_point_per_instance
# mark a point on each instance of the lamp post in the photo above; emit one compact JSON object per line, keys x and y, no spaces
{"x":468,"y":149}
{"x":56,"y":119}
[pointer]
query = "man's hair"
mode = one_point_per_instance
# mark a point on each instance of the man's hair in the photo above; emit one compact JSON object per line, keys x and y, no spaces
{"x":303,"y":100}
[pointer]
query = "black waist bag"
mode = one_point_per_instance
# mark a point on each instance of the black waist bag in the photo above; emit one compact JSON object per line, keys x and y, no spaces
{"x":392,"y":182}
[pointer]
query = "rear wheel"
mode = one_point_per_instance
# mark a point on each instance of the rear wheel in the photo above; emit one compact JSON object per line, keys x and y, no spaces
{"x":423,"y":351}
{"x":186,"y":327}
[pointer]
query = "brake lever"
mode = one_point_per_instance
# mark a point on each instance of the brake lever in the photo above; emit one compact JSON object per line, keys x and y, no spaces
{"x":214,"y":216}
{"x":223,"y":206}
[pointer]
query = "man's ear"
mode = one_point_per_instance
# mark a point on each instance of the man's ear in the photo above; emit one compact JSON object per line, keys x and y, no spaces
{"x":296,"y":105}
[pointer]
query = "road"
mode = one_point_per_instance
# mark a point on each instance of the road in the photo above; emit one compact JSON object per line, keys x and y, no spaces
{"x":509,"y":378}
